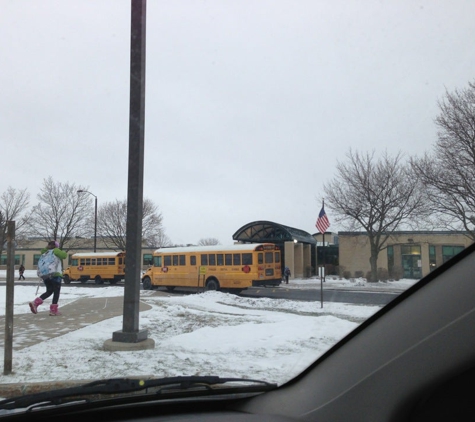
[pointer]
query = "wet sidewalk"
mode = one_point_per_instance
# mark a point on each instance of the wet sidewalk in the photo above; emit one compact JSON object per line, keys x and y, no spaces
{"x":30,"y":329}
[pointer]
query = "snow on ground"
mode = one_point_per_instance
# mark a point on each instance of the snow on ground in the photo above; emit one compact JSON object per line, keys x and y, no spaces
{"x":210,"y":333}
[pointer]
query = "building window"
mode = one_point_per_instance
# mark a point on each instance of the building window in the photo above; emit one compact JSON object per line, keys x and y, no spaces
{"x":411,"y":261}
{"x":432,"y":258}
{"x":410,"y":250}
{"x":18,"y":259}
{"x":450,"y":251}
{"x":390,"y":251}
{"x":36,"y":258}
{"x":147,"y":259}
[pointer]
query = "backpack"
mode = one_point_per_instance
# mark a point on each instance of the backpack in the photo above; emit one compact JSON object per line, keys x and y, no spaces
{"x":287,"y":271}
{"x":48,"y":265}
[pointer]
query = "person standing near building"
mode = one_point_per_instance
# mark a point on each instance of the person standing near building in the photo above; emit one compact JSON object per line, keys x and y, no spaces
{"x":51,"y":259}
{"x":21,"y":270}
{"x":286,"y":274}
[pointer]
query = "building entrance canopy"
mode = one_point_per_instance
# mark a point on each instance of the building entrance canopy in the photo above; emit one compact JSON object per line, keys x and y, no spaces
{"x":267,"y":231}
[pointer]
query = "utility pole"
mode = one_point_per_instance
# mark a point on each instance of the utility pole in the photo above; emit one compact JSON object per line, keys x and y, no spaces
{"x":131,"y":337}
{"x":9,"y":299}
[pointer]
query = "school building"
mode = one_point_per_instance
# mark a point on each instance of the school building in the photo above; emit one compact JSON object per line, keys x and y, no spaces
{"x":408,"y":254}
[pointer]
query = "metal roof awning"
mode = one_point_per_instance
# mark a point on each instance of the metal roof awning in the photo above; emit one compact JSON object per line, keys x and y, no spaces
{"x":268,"y":231}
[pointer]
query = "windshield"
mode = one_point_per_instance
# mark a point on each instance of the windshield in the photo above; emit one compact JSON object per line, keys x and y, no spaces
{"x":339,"y":134}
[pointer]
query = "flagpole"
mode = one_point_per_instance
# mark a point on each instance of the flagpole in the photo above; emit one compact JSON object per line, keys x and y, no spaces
{"x":322,"y":225}
{"x":324,"y":275}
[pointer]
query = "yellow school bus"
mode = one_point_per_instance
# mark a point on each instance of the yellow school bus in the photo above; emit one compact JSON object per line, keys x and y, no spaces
{"x":229,"y":268}
{"x":97,"y":266}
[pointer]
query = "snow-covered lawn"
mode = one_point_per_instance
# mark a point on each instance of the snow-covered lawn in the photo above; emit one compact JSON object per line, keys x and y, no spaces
{"x":198,"y":334}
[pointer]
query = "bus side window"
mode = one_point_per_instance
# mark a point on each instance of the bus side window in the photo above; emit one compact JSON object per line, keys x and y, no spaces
{"x":82,"y":262}
{"x":88,"y":261}
{"x":220,"y":259}
{"x":228,"y":259}
{"x":175,"y":260}
{"x":93,"y":261}
{"x":167,"y":260}
{"x":192,"y":260}
{"x":260,"y":258}
{"x":237,"y":259}
{"x":111,"y":261}
{"x":182,"y":260}
{"x":212,"y":259}
{"x":157,"y":261}
{"x":204,"y":259}
{"x":247,"y":259}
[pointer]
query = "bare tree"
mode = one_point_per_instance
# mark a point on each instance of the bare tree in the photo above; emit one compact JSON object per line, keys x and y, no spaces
{"x":448,"y":174}
{"x":61,"y":213}
{"x":13,"y":207}
{"x":376,"y":195}
{"x":208,"y":241}
{"x":112,"y":222}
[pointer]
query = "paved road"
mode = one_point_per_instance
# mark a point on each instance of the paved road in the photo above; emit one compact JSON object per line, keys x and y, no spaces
{"x":329,"y":295}
{"x":366,"y":297}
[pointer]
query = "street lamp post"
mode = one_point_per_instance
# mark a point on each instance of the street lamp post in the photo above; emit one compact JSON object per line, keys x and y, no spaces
{"x":95,"y":216}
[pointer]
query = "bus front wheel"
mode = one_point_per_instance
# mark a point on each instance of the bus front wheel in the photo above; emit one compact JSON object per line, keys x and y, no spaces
{"x":98,"y":280}
{"x":212,"y":284}
{"x":147,"y":283}
{"x":66,"y":279}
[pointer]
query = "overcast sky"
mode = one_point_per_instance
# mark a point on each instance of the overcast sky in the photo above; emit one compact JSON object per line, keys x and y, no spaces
{"x":249,"y":103}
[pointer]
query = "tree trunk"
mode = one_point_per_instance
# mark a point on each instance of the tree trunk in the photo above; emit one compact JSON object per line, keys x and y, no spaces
{"x":373,"y":260}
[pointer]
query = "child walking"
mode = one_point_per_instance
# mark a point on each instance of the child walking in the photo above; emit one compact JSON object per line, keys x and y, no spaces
{"x":53,"y":282}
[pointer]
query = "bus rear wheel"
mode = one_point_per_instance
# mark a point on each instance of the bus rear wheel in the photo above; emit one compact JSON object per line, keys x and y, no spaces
{"x":147,"y":283}
{"x":212,"y":284}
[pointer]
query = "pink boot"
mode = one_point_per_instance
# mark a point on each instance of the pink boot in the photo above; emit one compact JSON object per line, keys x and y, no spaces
{"x":53,"y":310}
{"x":34,"y":305}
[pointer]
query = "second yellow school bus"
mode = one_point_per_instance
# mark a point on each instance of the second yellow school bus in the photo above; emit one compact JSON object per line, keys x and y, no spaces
{"x":233,"y":268}
{"x":97,"y":266}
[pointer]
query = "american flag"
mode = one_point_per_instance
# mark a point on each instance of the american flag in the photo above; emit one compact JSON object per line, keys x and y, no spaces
{"x":322,"y":223}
